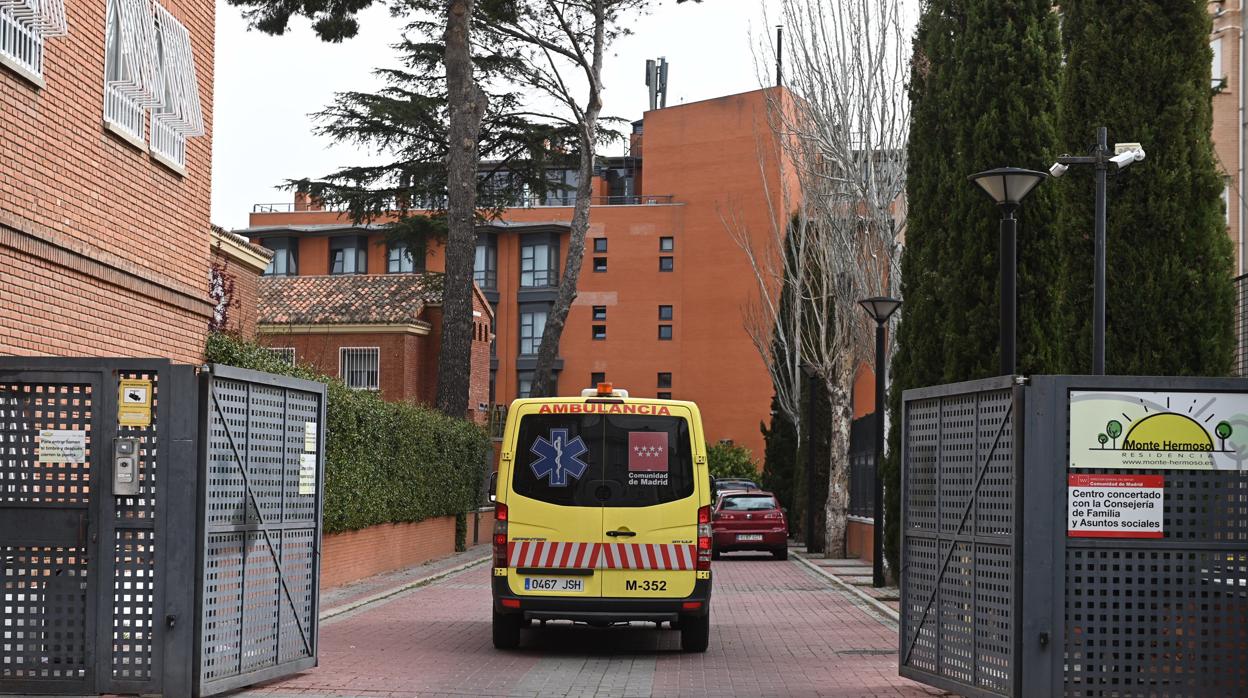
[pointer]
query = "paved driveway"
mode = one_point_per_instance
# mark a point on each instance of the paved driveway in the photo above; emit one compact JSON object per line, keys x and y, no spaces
{"x":776,"y":630}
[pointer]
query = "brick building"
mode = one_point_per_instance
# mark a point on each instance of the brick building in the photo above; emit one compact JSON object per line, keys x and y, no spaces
{"x":234,"y":282}
{"x":374,"y":331}
{"x":104,"y":232}
{"x":1229,"y":121}
{"x":659,"y":310}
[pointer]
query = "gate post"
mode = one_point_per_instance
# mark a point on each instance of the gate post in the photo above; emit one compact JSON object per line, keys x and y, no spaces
{"x":178,"y":524}
{"x":1040,"y":567}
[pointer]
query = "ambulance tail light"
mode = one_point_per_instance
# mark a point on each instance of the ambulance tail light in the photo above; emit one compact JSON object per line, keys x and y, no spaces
{"x":500,"y":534}
{"x":704,"y":538}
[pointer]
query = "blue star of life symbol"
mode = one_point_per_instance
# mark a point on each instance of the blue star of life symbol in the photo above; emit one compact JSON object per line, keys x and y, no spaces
{"x":558,"y":458}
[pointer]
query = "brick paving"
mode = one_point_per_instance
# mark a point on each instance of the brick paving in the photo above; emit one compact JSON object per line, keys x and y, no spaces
{"x":777,"y":629}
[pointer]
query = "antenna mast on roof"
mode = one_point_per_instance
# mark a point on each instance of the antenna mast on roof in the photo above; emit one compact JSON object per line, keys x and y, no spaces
{"x":656,"y":80}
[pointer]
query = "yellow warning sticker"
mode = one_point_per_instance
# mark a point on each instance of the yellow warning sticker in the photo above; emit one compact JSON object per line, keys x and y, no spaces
{"x":134,"y":403}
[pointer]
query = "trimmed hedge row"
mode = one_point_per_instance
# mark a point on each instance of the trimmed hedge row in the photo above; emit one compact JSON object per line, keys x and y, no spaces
{"x":386,"y":462}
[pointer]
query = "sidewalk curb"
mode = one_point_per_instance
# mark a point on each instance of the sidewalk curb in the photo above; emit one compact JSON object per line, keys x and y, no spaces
{"x":880,"y":607}
{"x":395,"y":591}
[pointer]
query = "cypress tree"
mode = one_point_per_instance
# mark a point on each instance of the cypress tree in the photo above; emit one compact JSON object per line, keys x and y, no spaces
{"x":1141,"y":69}
{"x":983,"y":95}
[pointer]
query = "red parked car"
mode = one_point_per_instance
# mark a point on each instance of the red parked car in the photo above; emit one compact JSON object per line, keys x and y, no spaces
{"x":749,"y":521}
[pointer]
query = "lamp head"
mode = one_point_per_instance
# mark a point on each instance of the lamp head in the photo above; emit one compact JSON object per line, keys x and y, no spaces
{"x":1008,"y":185}
{"x":880,"y":308}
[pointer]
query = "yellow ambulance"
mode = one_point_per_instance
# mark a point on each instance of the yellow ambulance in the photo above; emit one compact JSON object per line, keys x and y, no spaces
{"x":602,"y":516}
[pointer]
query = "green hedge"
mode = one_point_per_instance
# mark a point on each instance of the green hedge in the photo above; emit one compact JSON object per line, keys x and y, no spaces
{"x":385,"y":461}
{"x":727,"y":460}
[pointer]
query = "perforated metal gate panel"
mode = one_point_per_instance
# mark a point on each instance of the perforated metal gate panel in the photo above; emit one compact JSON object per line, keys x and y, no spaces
{"x":261,"y":504}
{"x":1164,"y":617}
{"x":45,"y":562}
{"x":958,"y":606}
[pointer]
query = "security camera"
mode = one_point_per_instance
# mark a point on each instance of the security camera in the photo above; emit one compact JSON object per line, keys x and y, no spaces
{"x":1058,"y":169}
{"x":1126,"y":158}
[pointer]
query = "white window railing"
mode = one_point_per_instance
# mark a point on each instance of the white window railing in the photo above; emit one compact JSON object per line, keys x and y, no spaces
{"x":168,"y":143}
{"x":24,"y":24}
{"x":360,"y":367}
{"x":285,"y":354}
{"x":123,"y":112}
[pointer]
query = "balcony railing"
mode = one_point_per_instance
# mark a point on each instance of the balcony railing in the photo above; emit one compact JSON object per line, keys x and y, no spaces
{"x":531,"y":202}
{"x":20,"y":44}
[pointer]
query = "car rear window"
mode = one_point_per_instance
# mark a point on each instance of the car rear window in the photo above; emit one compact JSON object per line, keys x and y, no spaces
{"x":748,"y":503}
{"x":603,"y":460}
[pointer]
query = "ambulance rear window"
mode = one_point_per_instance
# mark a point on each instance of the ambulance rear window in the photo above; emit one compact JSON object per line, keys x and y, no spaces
{"x":613,"y":460}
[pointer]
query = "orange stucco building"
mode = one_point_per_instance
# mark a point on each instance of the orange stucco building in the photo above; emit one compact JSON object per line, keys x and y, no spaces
{"x":663,"y":284}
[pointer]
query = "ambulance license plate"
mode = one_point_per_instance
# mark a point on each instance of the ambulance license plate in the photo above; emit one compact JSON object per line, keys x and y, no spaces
{"x":553,"y":584}
{"x":749,"y":536}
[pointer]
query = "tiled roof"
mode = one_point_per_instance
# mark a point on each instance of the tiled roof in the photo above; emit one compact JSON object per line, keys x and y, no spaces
{"x":348,"y":299}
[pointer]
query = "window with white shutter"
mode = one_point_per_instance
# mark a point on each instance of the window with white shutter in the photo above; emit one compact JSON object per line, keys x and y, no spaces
{"x":24,"y":24}
{"x":131,"y":67}
{"x":178,"y":116}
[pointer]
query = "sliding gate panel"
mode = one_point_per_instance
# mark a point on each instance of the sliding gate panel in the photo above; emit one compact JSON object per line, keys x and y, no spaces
{"x":960,"y":491}
{"x":262,"y":478}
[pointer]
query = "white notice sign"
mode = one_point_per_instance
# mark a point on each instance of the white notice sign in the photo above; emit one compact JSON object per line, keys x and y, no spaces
{"x":1115,"y":506}
{"x":62,"y":446}
{"x":307,"y":473}
{"x":309,"y":436}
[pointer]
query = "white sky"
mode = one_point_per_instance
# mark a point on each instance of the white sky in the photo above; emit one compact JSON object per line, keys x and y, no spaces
{"x":266,"y":86}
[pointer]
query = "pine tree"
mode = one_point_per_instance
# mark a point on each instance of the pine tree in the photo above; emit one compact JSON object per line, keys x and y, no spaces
{"x":1141,"y":69}
{"x":983,"y":90}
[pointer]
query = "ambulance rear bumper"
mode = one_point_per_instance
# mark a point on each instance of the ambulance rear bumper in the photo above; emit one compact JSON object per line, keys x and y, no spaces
{"x":600,"y":610}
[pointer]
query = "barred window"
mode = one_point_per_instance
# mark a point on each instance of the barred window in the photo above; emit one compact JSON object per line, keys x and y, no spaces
{"x":132,"y":77}
{"x":360,"y":367}
{"x":24,"y":24}
{"x":178,"y":115}
{"x":285,"y":354}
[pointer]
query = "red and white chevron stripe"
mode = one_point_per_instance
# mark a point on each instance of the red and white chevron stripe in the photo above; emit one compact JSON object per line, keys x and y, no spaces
{"x":608,"y":556}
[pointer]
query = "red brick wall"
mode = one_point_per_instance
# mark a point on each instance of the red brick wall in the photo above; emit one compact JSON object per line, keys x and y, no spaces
{"x":105,"y":250}
{"x":347,"y":557}
{"x":321,"y":350}
{"x":244,"y":310}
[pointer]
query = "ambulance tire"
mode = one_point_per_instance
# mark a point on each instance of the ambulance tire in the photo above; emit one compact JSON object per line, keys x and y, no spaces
{"x":507,"y":630}
{"x":695,"y":633}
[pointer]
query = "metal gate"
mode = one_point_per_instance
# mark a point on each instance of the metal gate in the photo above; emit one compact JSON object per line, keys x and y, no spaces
{"x":101,"y":518}
{"x":1002,"y":594}
{"x":261,"y":508}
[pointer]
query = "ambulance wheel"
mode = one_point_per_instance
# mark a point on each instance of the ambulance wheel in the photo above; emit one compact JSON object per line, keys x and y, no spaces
{"x":781,"y":553}
{"x":507,"y":630}
{"x":695,"y":633}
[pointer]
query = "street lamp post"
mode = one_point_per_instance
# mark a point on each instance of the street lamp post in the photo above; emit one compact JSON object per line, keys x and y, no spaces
{"x":881,"y":309}
{"x":1007,"y":186}
{"x":1100,"y":159}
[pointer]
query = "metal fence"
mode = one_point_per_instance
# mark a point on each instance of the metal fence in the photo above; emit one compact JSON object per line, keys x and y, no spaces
{"x":862,"y":467}
{"x":1003,"y":594}
{"x":102,"y":503}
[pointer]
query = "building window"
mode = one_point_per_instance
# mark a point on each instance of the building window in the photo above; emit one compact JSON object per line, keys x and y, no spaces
{"x":537,"y":266}
{"x":667,"y":244}
{"x":177,"y":116}
{"x":23,"y":27}
{"x":485,"y":265}
{"x":597,"y":377}
{"x":130,"y":70}
{"x":1216,"y":72}
{"x":600,"y":312}
{"x":665,"y":312}
{"x":665,"y":380}
{"x":599,"y":332}
{"x":359,"y":367}
{"x":348,"y":255}
{"x":525,"y":379}
{"x":600,"y":263}
{"x":284,"y":354}
{"x":665,"y":332}
{"x":285,"y":256}
{"x":600,"y":245}
{"x":664,"y":396}
{"x":532,"y":325}
{"x":666,"y":264}
{"x":402,"y":259}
